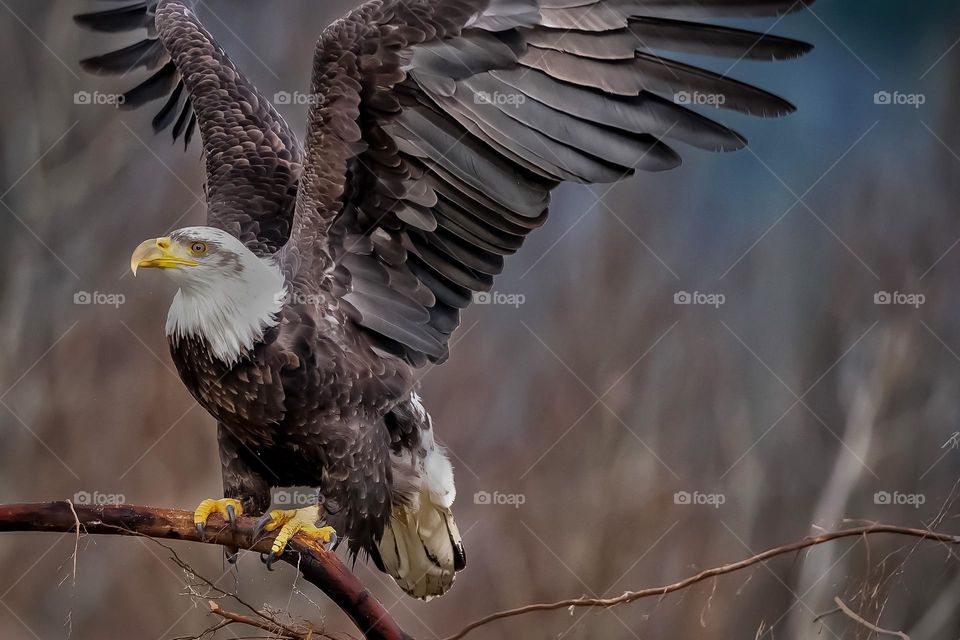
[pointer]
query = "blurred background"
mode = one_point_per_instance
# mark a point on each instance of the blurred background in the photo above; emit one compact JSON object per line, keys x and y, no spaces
{"x":605,"y":436}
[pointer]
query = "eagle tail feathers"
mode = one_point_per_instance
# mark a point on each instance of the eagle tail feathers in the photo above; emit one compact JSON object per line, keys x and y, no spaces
{"x":421,"y":547}
{"x":422,"y":550}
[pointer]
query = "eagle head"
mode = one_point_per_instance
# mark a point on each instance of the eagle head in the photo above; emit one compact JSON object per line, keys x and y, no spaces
{"x":193,"y":254}
{"x":228,"y":295}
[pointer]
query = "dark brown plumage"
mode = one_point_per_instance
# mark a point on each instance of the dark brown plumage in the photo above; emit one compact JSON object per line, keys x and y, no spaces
{"x":437,"y":130}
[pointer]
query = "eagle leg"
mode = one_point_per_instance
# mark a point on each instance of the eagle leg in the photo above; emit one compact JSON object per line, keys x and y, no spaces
{"x":229,"y":508}
{"x":290,"y":522}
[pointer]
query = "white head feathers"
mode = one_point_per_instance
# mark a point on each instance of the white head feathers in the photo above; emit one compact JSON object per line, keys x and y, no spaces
{"x":229,"y":299}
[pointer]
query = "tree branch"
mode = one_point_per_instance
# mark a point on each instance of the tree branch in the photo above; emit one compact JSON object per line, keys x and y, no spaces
{"x":324,"y":569}
{"x":318,"y":566}
{"x":631,"y":596}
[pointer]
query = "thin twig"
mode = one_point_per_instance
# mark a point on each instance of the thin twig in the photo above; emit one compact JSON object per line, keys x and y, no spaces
{"x":261,"y":623}
{"x":631,"y":596}
{"x":850,"y":613}
{"x":76,"y":544}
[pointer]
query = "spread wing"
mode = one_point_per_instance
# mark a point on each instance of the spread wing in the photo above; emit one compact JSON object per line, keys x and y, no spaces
{"x":441,"y":127}
{"x":252,"y":158}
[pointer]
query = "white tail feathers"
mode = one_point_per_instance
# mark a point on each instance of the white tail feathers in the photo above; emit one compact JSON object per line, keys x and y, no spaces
{"x":421,"y":548}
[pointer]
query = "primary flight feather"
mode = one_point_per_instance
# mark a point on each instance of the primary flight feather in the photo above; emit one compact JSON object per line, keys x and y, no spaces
{"x":330,"y":271}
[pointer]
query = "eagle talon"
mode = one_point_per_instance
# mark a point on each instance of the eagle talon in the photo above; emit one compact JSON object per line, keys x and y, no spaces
{"x":228,"y":508}
{"x":268,"y":559}
{"x":261,"y":527}
{"x":289,"y":523}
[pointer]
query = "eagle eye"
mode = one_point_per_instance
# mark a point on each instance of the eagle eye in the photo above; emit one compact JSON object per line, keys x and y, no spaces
{"x":198,"y":248}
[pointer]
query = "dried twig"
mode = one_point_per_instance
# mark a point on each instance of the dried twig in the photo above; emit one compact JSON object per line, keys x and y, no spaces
{"x":284,"y":632}
{"x":631,"y":596}
{"x":317,"y":565}
{"x":850,"y":613}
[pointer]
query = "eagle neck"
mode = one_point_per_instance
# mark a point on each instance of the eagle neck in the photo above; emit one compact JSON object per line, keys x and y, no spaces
{"x":229,"y":313}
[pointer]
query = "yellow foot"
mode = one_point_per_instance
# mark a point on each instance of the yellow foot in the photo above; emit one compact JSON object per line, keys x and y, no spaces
{"x":290,"y":523}
{"x":226,"y":507}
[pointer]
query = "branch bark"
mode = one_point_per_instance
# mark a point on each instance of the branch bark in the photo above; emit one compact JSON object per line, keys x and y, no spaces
{"x":317,"y":565}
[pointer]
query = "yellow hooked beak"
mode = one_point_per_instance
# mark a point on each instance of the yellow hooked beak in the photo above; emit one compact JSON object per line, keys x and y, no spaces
{"x":160,"y":252}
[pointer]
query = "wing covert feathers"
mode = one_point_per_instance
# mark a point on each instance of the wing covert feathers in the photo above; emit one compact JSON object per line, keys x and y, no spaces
{"x":460,"y":117}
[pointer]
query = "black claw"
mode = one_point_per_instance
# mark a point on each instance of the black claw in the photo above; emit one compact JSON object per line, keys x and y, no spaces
{"x":271,"y":558}
{"x":261,"y":523}
{"x":232,"y":555}
{"x":333,"y":541}
{"x":232,"y":516}
{"x":200,"y":530}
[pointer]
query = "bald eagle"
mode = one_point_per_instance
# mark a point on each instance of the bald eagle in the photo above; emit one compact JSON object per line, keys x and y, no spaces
{"x":330,"y":271}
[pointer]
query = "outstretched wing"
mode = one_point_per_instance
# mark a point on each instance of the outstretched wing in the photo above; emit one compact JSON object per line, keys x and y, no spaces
{"x":441,"y":127}
{"x":253,"y":160}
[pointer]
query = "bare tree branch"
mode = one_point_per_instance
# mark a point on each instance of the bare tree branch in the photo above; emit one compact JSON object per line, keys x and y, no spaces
{"x":324,"y":569}
{"x":631,"y":596}
{"x":317,"y":565}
